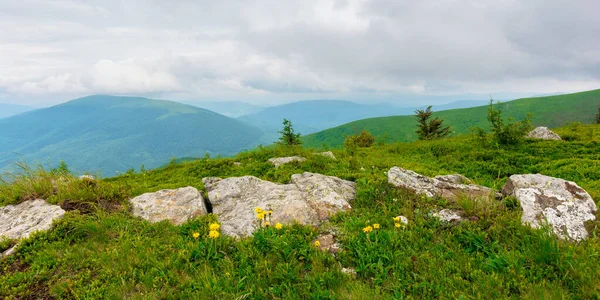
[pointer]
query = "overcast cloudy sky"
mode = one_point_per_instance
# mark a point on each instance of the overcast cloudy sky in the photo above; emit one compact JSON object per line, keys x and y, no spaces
{"x":279,"y":51}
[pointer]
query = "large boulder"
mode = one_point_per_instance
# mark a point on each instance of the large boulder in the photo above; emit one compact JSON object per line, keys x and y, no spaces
{"x":543,"y":133}
{"x":278,"y":161}
{"x":308,"y":199}
{"x":177,"y":206}
{"x":19,"y":221}
{"x":560,"y":203}
{"x":450,"y":187}
{"x":326,"y":194}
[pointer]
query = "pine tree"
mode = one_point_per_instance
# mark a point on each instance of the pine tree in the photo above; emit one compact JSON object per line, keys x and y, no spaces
{"x":598,"y":115}
{"x":288,"y":137}
{"x":430,"y":129}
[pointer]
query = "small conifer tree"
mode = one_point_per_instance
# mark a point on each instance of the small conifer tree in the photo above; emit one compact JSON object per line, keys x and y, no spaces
{"x":287,"y":134}
{"x":598,"y":115}
{"x":430,"y":129}
{"x":507,"y":133}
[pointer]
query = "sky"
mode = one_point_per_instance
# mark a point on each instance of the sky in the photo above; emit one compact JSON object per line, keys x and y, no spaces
{"x":268,"y":52}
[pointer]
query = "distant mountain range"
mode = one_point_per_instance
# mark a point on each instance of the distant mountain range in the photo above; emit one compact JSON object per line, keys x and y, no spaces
{"x":7,"y":110}
{"x":550,"y":111}
{"x":315,"y":115}
{"x":108,"y":133}
{"x":104,"y":134}
{"x":231,"y":109}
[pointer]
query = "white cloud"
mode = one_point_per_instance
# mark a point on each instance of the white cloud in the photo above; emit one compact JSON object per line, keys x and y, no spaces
{"x":128,"y":77}
{"x":298,"y":49}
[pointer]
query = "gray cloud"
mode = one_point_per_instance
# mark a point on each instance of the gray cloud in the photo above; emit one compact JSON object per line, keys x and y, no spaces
{"x":274,"y":51}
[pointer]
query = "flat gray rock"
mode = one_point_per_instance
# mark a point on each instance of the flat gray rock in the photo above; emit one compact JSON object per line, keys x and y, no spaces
{"x":560,"y":203}
{"x":309,"y":199}
{"x":448,"y":215}
{"x":543,"y":133}
{"x":450,"y":187}
{"x":278,"y":161}
{"x":19,"y":221}
{"x":177,"y":206}
{"x":328,"y":154}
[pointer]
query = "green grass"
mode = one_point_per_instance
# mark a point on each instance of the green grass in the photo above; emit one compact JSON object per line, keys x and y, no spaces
{"x":551,"y":111}
{"x":105,"y":252}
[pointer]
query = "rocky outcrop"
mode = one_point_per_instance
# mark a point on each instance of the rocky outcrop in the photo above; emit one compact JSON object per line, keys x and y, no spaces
{"x":561,"y":204}
{"x":278,"y":161}
{"x":19,"y":221}
{"x":86,"y":177}
{"x":309,"y":199}
{"x":543,"y":133}
{"x":177,"y":206}
{"x":450,"y":187}
{"x":328,"y":154}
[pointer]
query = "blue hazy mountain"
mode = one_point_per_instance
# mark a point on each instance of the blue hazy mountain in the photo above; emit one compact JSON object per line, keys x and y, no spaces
{"x":7,"y":110}
{"x":109,"y":133}
{"x":231,"y":109}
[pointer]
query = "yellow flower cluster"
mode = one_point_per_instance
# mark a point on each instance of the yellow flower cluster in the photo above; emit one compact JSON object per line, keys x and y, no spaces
{"x":397,"y":223}
{"x":213,"y":232}
{"x":263,"y":215}
{"x":317,"y":243}
{"x":278,"y":226}
{"x":370,"y":228}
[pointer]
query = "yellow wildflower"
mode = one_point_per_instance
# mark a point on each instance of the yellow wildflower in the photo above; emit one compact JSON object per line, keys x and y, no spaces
{"x":258,"y":210}
{"x":317,"y":243}
{"x":270,"y":212}
{"x":367,"y":229}
{"x":196,"y":235}
{"x":397,"y":225}
{"x":213,"y":234}
{"x":376,"y":226}
{"x":260,"y":215}
{"x":278,"y":226}
{"x":267,"y":224}
{"x":397,"y":219}
{"x":214,"y":226}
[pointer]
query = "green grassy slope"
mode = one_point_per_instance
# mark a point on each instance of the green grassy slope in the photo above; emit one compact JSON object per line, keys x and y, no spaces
{"x":100,"y":251}
{"x":107,"y":133}
{"x":552,"y":111}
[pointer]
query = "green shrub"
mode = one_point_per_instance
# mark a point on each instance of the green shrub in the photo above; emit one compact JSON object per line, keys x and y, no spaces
{"x":510,"y":132}
{"x":364,"y":139}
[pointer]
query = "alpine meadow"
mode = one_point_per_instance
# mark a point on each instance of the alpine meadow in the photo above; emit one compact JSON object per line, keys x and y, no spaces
{"x":315,"y":149}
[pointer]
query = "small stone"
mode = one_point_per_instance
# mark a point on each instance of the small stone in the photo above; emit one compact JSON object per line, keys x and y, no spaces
{"x":86,"y":177}
{"x":12,"y":250}
{"x":327,"y":243}
{"x":543,"y":133}
{"x":278,"y":161}
{"x":448,"y":215}
{"x":349,"y":271}
{"x":326,"y":154}
{"x":403,"y":220}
